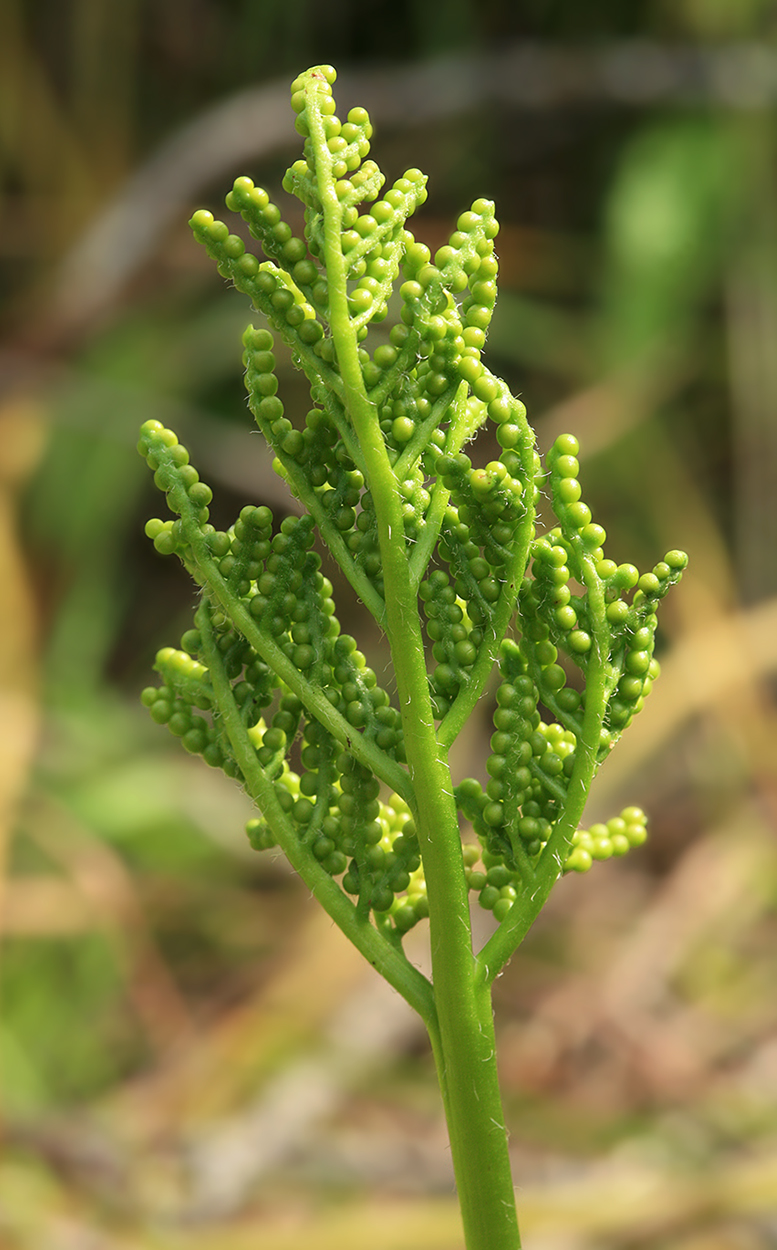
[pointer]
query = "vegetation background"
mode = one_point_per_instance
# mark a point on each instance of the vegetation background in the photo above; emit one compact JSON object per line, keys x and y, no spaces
{"x":192,"y":1057}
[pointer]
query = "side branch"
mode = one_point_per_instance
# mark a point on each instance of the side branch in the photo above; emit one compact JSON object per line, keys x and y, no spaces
{"x":386,"y":956}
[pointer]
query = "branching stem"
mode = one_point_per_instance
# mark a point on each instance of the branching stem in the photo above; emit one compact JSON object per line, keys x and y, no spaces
{"x":266,"y":684}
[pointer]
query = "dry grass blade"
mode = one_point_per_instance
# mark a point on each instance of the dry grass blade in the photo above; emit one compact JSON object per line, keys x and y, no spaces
{"x":21,"y":434}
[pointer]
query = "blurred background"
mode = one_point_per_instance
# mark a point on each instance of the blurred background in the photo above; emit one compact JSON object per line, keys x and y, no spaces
{"x":192,"y":1056}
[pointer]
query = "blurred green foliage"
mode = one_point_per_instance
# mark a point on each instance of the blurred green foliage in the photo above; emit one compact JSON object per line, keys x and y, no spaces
{"x":639,"y":271}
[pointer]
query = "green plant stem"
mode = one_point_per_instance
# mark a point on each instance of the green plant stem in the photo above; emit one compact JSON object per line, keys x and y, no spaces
{"x":467,"y":1058}
{"x":502,"y":944}
{"x":466,"y":1053}
{"x":314,"y":699}
{"x":333,"y":539}
{"x":468,"y":696}
{"x":384,"y":955}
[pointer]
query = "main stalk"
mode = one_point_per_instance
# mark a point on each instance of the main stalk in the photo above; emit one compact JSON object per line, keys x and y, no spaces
{"x":463,"y":1032}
